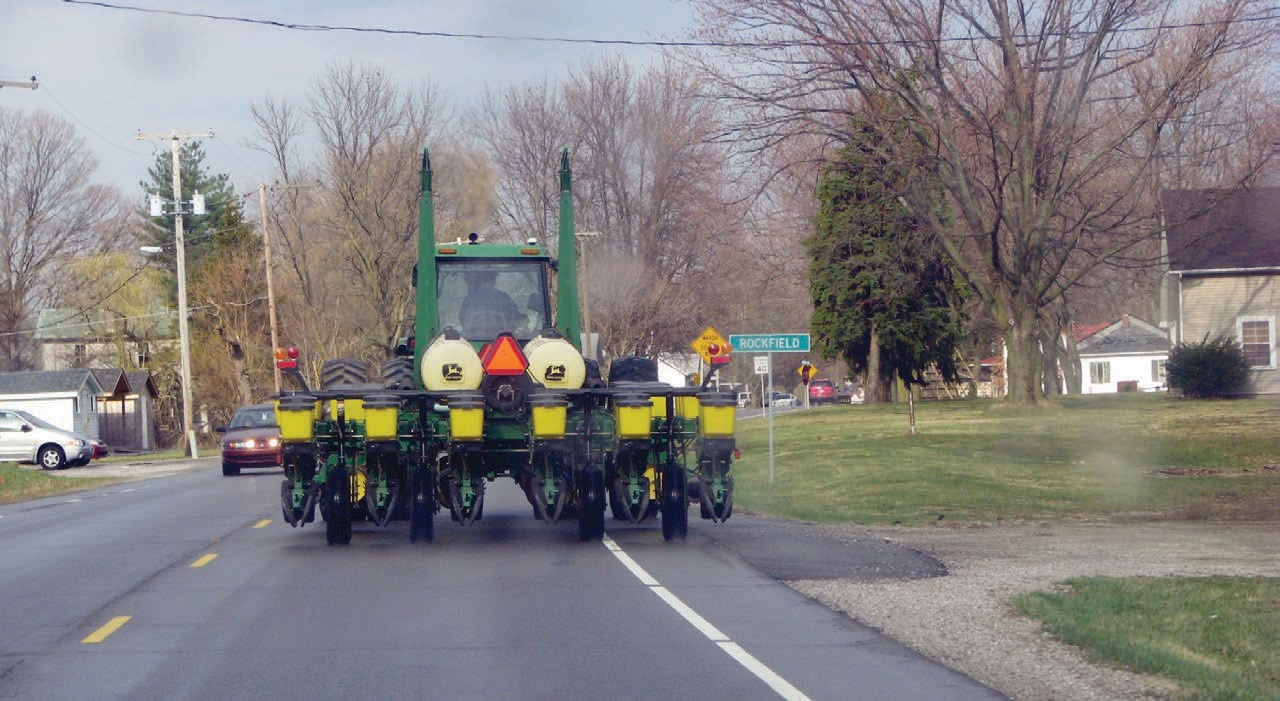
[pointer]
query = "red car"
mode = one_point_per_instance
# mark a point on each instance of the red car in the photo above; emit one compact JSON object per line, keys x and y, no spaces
{"x":100,"y":449}
{"x":252,"y":439}
{"x":822,"y":392}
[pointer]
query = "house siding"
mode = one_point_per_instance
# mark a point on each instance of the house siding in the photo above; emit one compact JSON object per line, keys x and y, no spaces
{"x":1212,"y":306}
{"x":1132,"y":368}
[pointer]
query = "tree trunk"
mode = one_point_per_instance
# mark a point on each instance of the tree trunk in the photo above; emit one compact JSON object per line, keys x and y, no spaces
{"x":876,"y":391}
{"x":1024,"y":361}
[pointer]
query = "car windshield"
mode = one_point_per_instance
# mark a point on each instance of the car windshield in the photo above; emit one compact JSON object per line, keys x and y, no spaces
{"x":254,"y":418}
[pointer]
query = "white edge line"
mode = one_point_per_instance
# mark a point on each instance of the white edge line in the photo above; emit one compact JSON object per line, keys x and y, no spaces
{"x":762,"y":671}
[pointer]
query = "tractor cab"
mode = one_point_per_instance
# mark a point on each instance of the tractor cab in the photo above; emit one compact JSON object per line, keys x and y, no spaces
{"x":483,"y":297}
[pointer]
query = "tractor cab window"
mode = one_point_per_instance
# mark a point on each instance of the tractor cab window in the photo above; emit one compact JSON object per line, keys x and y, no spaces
{"x":483,"y":298}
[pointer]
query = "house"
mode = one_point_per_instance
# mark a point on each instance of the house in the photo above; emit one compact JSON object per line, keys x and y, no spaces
{"x":1223,"y":273}
{"x":1128,"y":355}
{"x":678,"y":369}
{"x":73,"y":338}
{"x":67,"y":399}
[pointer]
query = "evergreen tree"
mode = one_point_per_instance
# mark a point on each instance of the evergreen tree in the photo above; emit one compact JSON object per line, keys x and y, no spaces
{"x":885,"y":299}
{"x":222,"y":205}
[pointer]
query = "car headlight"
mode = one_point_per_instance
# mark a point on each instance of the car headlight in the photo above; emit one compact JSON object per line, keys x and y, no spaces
{"x":76,"y":442}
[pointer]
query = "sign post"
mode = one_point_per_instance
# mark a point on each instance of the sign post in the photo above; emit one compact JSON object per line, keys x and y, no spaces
{"x":768,"y":343}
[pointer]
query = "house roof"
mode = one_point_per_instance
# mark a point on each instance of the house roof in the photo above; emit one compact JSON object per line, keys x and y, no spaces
{"x":141,"y":381}
{"x":1079,"y":332}
{"x":1126,"y":336}
{"x":1222,"y":229}
{"x":48,"y":382}
{"x":113,"y":381}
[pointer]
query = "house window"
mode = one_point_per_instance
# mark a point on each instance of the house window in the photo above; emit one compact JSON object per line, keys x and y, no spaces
{"x":1100,"y":372}
{"x":1157,"y":371}
{"x":1256,"y":340}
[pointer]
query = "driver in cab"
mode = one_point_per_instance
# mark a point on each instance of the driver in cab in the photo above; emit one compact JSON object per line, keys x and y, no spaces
{"x":487,"y":311}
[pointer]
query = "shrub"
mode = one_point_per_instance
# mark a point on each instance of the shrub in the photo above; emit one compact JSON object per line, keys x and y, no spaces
{"x":1206,"y":369}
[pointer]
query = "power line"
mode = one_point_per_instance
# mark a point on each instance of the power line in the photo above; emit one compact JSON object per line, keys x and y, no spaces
{"x":1270,"y":13}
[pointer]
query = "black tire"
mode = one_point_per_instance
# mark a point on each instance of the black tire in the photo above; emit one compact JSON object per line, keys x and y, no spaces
{"x":591,"y":498}
{"x":675,"y":503}
{"x":397,"y":373}
{"x":51,"y":457}
{"x":633,"y":368}
{"x":229,"y":470}
{"x":337,"y":526}
{"x":343,"y":371}
{"x":422,"y":507}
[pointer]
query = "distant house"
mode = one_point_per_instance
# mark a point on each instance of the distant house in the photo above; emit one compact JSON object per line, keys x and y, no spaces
{"x":1224,"y":272}
{"x":1128,"y":355}
{"x":677,"y":369}
{"x":72,"y":338}
{"x":67,"y":399}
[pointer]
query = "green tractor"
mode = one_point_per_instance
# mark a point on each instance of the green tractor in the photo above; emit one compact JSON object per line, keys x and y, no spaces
{"x":500,"y":388}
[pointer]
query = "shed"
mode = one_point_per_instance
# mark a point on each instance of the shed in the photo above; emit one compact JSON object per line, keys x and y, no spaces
{"x":126,"y":409}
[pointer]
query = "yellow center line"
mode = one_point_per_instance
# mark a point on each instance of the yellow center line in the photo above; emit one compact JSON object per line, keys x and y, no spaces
{"x":263,"y":523}
{"x":204,"y":560}
{"x":110,"y":627}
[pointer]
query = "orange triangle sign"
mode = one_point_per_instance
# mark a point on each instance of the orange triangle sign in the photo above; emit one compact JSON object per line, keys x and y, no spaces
{"x":503,"y":357}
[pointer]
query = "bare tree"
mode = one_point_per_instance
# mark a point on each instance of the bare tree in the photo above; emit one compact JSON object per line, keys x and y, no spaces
{"x":347,"y":247}
{"x":1045,"y":122}
{"x":648,"y":185}
{"x":50,"y":212}
{"x":523,"y":129}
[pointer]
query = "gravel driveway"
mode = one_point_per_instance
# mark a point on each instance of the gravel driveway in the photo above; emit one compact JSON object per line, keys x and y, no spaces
{"x":965,"y":620}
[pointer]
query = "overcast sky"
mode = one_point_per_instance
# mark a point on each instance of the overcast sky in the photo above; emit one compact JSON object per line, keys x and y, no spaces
{"x":113,"y":72}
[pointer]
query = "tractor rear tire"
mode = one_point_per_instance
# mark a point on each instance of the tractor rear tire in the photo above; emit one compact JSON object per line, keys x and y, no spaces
{"x":397,"y":373}
{"x":675,"y":503}
{"x":422,"y":506}
{"x":343,"y":371}
{"x":591,"y":498}
{"x":633,"y":368}
{"x":337,"y":525}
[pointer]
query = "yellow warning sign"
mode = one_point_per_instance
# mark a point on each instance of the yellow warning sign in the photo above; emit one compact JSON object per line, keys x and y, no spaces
{"x":711,"y":344}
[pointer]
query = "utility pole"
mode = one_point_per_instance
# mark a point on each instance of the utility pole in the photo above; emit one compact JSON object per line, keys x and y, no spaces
{"x":271,"y":294}
{"x":175,"y":138}
{"x":20,"y":84}
{"x":266,"y":249}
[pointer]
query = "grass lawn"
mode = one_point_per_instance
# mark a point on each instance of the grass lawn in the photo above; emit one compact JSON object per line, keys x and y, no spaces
{"x":1217,"y":636}
{"x":19,"y":483}
{"x":1143,"y":456}
{"x":1095,"y":457}
{"x":22,"y":482}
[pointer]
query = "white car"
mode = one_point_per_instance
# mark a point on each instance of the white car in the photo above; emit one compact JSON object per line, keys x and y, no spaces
{"x":784,"y":399}
{"x":26,"y":438}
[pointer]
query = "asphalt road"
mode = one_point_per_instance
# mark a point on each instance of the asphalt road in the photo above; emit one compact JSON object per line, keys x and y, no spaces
{"x":189,"y":586}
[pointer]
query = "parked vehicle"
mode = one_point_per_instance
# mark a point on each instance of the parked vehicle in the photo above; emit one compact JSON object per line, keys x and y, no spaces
{"x":783,"y":399}
{"x":27,"y":438}
{"x":822,"y":392}
{"x":252,"y":439}
{"x":100,"y":448}
{"x":849,"y":394}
